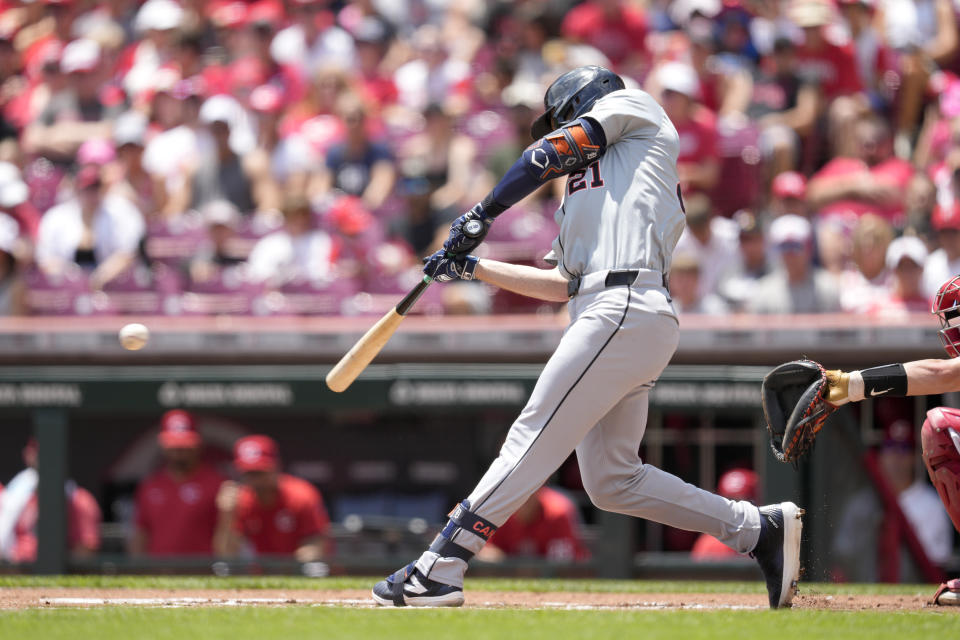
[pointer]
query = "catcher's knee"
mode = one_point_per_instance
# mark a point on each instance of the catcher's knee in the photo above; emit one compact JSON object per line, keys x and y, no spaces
{"x":940,"y":439}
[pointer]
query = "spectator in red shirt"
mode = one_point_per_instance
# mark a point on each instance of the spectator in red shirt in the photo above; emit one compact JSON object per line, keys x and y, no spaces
{"x":615,"y":27}
{"x":19,"y":511}
{"x":833,"y":65}
{"x":546,"y":525}
{"x":176,"y":505}
{"x":273,"y":512}
{"x":871,"y":182}
{"x":697,"y":163}
{"x":736,"y":484}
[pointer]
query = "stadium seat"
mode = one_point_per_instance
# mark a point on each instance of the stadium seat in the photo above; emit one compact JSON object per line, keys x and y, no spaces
{"x":306,"y":298}
{"x":63,"y":294}
{"x":522,"y":236}
{"x":250,"y":230}
{"x":227,"y":293}
{"x":144,"y":291}
{"x":172,"y":242}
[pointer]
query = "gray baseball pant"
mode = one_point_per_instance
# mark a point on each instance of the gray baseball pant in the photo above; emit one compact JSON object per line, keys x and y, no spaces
{"x":592,"y":396}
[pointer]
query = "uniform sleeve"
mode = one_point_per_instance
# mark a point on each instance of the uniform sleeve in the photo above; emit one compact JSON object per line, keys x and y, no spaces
{"x":381,"y":152}
{"x":627,"y":114}
{"x":128,"y":226}
{"x":849,"y":73}
{"x":312,"y":518}
{"x":265,"y":258}
{"x":49,"y":240}
{"x":242,"y":514}
{"x":85,"y":521}
{"x":708,"y":142}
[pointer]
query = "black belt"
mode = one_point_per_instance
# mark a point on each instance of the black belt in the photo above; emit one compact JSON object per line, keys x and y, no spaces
{"x":617,"y":278}
{"x":614,"y":278}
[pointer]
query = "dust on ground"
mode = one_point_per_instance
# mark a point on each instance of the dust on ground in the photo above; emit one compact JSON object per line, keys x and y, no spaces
{"x":56,"y":597}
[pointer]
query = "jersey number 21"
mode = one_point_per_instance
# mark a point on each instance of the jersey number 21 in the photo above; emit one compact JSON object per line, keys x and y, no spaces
{"x":578,"y":179}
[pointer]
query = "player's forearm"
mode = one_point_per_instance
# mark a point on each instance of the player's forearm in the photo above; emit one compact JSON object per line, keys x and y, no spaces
{"x":311,"y":549}
{"x":803,"y":117}
{"x":944,"y":45}
{"x":703,"y":175}
{"x":925,"y":377}
{"x":111,"y":268}
{"x":382,"y":178}
{"x":226,"y":542}
{"x":823,"y":191}
{"x":542,"y":284}
{"x":917,"y":378}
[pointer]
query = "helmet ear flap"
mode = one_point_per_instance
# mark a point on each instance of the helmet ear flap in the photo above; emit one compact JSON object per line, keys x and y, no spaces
{"x":542,"y":125}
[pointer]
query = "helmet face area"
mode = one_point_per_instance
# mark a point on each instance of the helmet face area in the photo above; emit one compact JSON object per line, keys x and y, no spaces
{"x":573,"y":94}
{"x":946,"y":306}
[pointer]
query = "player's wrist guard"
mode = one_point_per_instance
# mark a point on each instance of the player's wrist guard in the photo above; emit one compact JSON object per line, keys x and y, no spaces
{"x":887,"y":380}
{"x":469,"y":266}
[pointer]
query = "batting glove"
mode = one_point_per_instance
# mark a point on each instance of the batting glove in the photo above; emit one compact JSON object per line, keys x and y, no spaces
{"x":468,"y":231}
{"x":444,"y":268}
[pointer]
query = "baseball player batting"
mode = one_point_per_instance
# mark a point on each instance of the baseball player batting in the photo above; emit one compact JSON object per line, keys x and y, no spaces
{"x":620,"y":219}
{"x":940,"y":434}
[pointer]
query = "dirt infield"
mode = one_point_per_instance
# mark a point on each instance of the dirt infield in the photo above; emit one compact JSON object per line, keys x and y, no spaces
{"x":34,"y":598}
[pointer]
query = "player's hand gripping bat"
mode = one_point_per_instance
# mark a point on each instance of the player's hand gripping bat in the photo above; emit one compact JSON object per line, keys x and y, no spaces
{"x":367,"y":347}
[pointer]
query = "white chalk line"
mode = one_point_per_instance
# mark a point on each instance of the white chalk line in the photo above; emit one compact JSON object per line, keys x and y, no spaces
{"x":183,"y":602}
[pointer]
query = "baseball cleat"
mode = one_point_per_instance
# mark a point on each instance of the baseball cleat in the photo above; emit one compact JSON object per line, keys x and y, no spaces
{"x":948,"y":593}
{"x":410,"y":588}
{"x":778,"y":551}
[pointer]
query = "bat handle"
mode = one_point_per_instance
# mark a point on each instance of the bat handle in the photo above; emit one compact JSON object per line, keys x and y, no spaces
{"x":404,"y":305}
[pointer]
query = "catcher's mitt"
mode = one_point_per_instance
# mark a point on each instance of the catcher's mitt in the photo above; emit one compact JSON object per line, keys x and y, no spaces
{"x":795,"y":407}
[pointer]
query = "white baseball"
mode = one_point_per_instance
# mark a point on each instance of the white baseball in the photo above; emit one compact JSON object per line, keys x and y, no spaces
{"x":134,"y":336}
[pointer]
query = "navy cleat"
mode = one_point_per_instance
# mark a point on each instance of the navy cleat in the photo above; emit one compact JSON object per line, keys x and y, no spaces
{"x":778,"y":551}
{"x":410,"y":588}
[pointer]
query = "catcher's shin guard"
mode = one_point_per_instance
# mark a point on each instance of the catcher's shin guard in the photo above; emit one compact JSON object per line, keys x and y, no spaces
{"x":940,"y":439}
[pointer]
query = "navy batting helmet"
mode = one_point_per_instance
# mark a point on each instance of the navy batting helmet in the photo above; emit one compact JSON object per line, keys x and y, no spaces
{"x":572,"y":94}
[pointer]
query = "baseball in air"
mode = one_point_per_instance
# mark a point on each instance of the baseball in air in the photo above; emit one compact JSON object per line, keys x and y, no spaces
{"x":134,"y":336}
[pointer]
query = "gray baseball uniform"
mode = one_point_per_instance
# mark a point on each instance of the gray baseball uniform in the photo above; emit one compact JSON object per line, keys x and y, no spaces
{"x":623,"y":212}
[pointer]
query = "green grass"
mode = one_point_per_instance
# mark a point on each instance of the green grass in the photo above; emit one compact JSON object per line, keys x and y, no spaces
{"x":302,"y":623}
{"x":475,"y":584}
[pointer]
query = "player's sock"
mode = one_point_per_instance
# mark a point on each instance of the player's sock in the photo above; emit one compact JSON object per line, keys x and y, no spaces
{"x":446,"y":559}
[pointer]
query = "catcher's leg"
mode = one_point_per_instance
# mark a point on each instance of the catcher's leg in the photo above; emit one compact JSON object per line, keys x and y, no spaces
{"x":940,"y":439}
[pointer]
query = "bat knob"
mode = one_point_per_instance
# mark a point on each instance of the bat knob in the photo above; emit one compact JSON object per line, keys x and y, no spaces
{"x":473,"y":228}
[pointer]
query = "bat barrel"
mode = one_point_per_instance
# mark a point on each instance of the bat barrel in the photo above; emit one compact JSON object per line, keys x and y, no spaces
{"x":367,"y":347}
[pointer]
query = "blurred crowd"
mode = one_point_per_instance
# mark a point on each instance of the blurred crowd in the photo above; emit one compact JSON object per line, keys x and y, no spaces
{"x":300,"y":156}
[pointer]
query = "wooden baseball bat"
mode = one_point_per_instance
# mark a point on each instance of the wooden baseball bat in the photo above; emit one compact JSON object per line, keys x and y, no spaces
{"x":367,"y":347}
